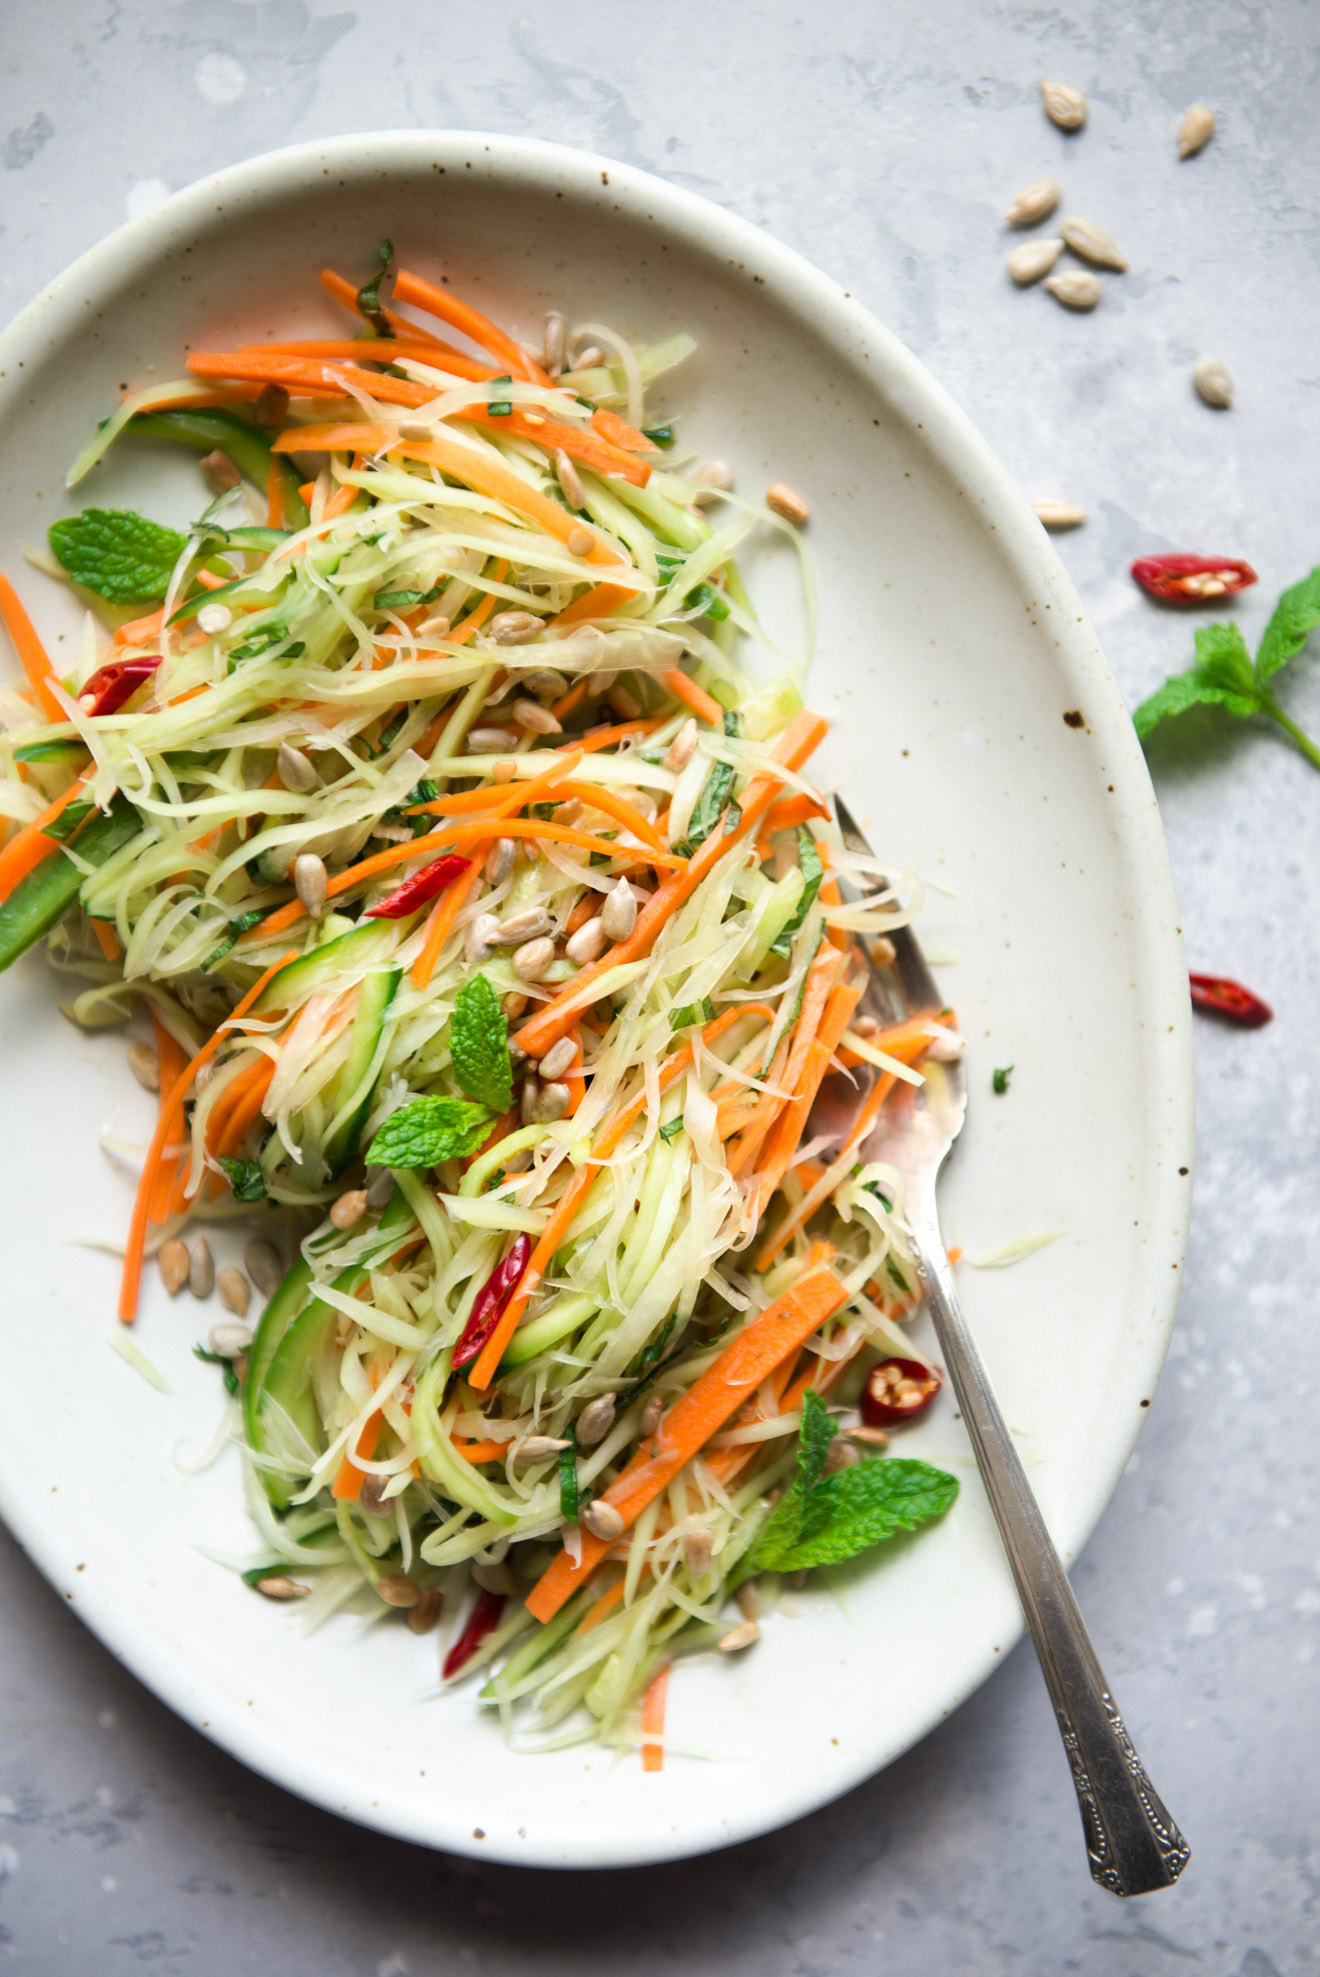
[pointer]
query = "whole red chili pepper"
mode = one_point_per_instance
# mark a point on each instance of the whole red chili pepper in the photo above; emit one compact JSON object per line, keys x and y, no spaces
{"x":492,"y":1298}
{"x":483,"y":1620}
{"x":420,"y":888}
{"x":898,"y":1389}
{"x":110,"y":686}
{"x":1225,"y":998}
{"x":1192,"y":579}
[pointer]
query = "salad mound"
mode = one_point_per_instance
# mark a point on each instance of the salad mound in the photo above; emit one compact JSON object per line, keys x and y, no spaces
{"x":490,"y":929}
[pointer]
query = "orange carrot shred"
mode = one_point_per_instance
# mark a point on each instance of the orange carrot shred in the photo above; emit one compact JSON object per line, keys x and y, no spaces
{"x":31,"y":652}
{"x":653,"y":1719}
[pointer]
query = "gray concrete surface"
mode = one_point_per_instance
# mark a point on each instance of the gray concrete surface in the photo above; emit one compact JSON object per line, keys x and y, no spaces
{"x":884,"y":141}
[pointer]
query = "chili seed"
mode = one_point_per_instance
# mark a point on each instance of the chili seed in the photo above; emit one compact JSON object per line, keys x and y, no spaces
{"x":480,"y":938}
{"x":219,"y":472}
{"x":499,"y":861}
{"x":595,"y":1421}
{"x":309,"y":882}
{"x":235,"y":1291}
{"x":1075,"y":289}
{"x":698,"y":1551}
{"x":785,"y":502}
{"x":278,"y":1587}
{"x":514,"y":627}
{"x":523,"y":926}
{"x":264,"y":1266}
{"x":397,"y":1589}
{"x":1034,"y":202}
{"x":558,"y":1058}
{"x":145,"y":1066}
{"x":1032,"y":260}
{"x":1093,"y":243}
{"x":214,"y":619}
{"x":740,"y":1637}
{"x":271,"y":408}
{"x":173,"y":1263}
{"x":531,"y":961}
{"x":295,"y":770}
{"x":1214,"y":382}
{"x":201,"y":1269}
{"x":229,"y":1341}
{"x":530,"y":714}
{"x":1064,"y":105}
{"x":349,"y":1209}
{"x":1195,"y":130}
{"x":380,"y":1189}
{"x":587,"y":943}
{"x":488,"y":741}
{"x":603,"y":1520}
{"x":1059,"y":514}
{"x":618,"y":916}
{"x":423,"y":1616}
{"x":581,"y":542}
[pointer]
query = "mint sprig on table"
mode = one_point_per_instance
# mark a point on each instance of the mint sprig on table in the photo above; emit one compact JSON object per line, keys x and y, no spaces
{"x":479,"y":1044}
{"x":1225,"y":675}
{"x":122,"y":557}
{"x":428,"y":1131}
{"x":824,"y":1519}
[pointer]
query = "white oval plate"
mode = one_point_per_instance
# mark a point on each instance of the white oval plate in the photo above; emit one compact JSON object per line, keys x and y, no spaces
{"x":978,"y":731}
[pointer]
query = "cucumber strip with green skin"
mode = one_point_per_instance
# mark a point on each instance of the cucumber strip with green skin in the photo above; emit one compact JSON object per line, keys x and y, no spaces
{"x":207,"y":431}
{"x":374,"y":999}
{"x":276,"y":1319}
{"x":65,"y":754}
{"x":324,"y":966}
{"x":41,"y":900}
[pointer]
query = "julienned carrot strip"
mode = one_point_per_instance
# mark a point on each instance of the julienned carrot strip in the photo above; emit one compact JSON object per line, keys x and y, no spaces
{"x":28,"y":847}
{"x":792,"y":1055}
{"x":553,"y":1020}
{"x":601,"y":1608}
{"x":574,"y":1077}
{"x":619,"y":433}
{"x":345,"y":291}
{"x":340,"y":502}
{"x":697,"y":1415}
{"x":566,"y":702}
{"x":248,"y":1106}
{"x":107,"y":939}
{"x":172,"y":1109}
{"x":541,"y":827}
{"x":599,"y":602}
{"x":786,"y":815}
{"x":595,"y":739}
{"x":440,"y":920}
{"x":31,"y":652}
{"x":694,"y":696}
{"x":595,"y":796}
{"x":480,"y":611}
{"x":566,"y":1208}
{"x":360,"y":350}
{"x":792,"y":1123}
{"x":347,"y":1486}
{"x":169,"y":1055}
{"x":829,"y":889}
{"x":653,"y":1719}
{"x":469,"y":322}
{"x":141,"y":631}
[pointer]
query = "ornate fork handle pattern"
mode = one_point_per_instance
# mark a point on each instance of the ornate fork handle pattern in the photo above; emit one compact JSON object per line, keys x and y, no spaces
{"x":1133,"y":1844}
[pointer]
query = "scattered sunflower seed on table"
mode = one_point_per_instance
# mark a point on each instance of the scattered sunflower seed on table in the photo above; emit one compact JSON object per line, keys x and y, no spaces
{"x":1064,"y":106}
{"x":1214,"y":382}
{"x":1059,"y":514}
{"x":1093,"y":243}
{"x":1033,"y":259}
{"x":1076,"y":289}
{"x":1035,"y":202}
{"x":1195,"y":130}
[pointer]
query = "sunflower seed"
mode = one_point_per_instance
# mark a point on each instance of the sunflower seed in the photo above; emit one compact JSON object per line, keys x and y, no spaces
{"x":488,"y":741}
{"x":523,"y":926}
{"x":309,"y":882}
{"x":397,"y":1589}
{"x":882,"y":952}
{"x":580,"y":542}
{"x":587,"y":356}
{"x":373,"y":1496}
{"x":229,"y":1341}
{"x":423,"y":1616}
{"x":380,"y":1189}
{"x":624,"y":702}
{"x":1076,"y":290}
{"x":698,"y":1551}
{"x":749,"y":1600}
{"x":201,"y":1269}
{"x":739,"y":1637}
{"x":785,"y":502}
{"x":295,"y":770}
{"x":595,"y":1421}
{"x":570,"y":480}
{"x":1093,"y":243}
{"x":537,"y":719}
{"x":840,"y":1455}
{"x":349,"y":1209}
{"x":619,"y":914}
{"x":1033,"y":259}
{"x":650,"y":1420}
{"x":145,"y":1066}
{"x":1059,"y":514}
{"x":545,"y":683}
{"x":1214,"y":382}
{"x":514,"y":627}
{"x":235,"y":1292}
{"x":173,"y":1263}
{"x":513,"y":1005}
{"x":713,"y":477}
{"x":554,"y":342}
{"x":871,"y":1437}
{"x":1195,"y":130}
{"x":679,"y":752}
{"x":480,"y":938}
{"x":272,"y":407}
{"x":278,"y":1587}
{"x":585,"y":945}
{"x":558,"y":1058}
{"x":219,"y":472}
{"x":603,"y":1520}
{"x":1064,"y":105}
{"x":264,"y":1266}
{"x":499,"y":861}
{"x":537,"y":1448}
{"x":550,"y":1103}
{"x":1034,"y":202}
{"x":437,"y":627}
{"x":531,"y":961}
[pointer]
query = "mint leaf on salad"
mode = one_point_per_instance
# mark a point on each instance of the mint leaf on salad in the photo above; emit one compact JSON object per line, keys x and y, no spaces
{"x":247,"y":1182}
{"x":1225,"y":675}
{"x":121,"y":556}
{"x":825,"y":1519}
{"x":479,"y":1045}
{"x":428,"y":1131}
{"x":813,"y":872}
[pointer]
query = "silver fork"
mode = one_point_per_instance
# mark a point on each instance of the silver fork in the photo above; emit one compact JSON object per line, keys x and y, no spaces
{"x":1132,"y":1843}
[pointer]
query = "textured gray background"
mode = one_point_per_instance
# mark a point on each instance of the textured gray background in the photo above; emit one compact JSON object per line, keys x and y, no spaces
{"x":884,"y":141}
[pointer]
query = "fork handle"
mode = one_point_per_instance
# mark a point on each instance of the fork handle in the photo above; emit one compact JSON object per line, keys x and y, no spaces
{"x":1133,"y":1845}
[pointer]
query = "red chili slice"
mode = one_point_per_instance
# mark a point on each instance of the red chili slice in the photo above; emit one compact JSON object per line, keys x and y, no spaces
{"x":492,"y":1298}
{"x":1192,"y":579}
{"x":110,"y":686}
{"x":483,"y":1620}
{"x":1223,"y":997}
{"x":898,"y":1389}
{"x":420,"y":888}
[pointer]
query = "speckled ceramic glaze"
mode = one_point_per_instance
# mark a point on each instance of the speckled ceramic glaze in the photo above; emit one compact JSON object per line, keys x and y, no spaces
{"x":978,"y":733}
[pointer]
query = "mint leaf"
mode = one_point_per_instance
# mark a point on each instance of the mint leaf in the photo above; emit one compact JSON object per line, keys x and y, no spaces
{"x":229,"y":1372}
{"x":672,"y":1128}
{"x":368,"y":296}
{"x":689,"y":1013}
{"x":1222,"y":660}
{"x":479,"y":1045}
{"x":119,"y":555}
{"x":568,"y":1477}
{"x":714,"y":796}
{"x":813,"y":872}
{"x":1192,"y":689}
{"x":1000,"y":1077}
{"x":1296,"y":613}
{"x":427,"y":1131}
{"x":247,"y":1182}
{"x":783,"y":1529}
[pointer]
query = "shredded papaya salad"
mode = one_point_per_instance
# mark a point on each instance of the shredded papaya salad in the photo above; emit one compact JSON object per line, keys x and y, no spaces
{"x":495,"y":945}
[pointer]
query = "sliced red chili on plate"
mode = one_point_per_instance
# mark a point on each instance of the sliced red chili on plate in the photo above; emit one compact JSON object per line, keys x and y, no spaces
{"x":1223,"y":997}
{"x":896,"y":1390}
{"x":110,"y":686}
{"x":492,"y":1298}
{"x":420,"y":888}
{"x":483,"y":1620}
{"x":1192,"y":579}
